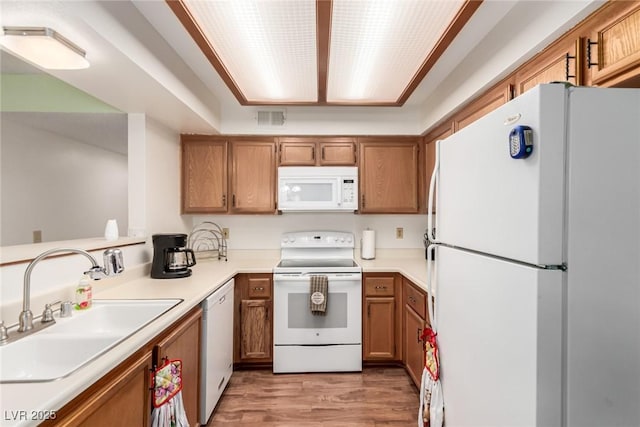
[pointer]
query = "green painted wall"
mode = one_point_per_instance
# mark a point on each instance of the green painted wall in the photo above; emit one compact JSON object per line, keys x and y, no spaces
{"x":45,"y":93}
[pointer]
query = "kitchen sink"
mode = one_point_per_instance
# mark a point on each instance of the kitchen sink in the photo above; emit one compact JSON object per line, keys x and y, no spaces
{"x":70,"y":343}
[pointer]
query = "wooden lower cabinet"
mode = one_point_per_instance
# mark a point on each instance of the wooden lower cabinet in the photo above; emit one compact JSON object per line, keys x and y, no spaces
{"x":414,"y":323}
{"x":381,"y":317}
{"x":255,"y":337}
{"x":253,"y":319}
{"x":123,"y":396}
{"x":183,"y":342}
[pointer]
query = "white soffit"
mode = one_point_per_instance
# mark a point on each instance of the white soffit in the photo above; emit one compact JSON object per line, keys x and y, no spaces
{"x":377,"y":47}
{"x":267,"y":47}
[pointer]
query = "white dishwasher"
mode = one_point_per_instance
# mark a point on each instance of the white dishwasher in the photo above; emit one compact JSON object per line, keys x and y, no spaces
{"x":216,"y":359}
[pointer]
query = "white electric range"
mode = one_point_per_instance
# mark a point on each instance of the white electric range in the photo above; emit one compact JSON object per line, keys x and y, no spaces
{"x":304,"y":342}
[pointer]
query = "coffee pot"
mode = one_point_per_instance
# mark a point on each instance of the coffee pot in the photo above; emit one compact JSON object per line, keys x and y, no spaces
{"x":171,"y":259}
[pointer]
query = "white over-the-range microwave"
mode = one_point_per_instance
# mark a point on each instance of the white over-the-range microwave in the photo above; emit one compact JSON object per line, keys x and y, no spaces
{"x":317,"y":188}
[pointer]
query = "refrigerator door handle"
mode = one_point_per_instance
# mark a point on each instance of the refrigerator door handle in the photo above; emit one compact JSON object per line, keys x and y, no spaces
{"x":431,"y":275}
{"x":432,"y":190}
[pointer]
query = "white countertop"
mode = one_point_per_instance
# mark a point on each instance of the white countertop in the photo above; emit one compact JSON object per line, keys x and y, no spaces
{"x":207,"y":276}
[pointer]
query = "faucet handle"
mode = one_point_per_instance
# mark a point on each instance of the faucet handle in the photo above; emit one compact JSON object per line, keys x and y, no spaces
{"x":66,"y":309}
{"x":47,"y":314}
{"x":4,"y":335}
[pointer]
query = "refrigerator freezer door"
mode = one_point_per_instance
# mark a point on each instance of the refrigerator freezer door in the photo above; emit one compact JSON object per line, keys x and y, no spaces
{"x":603,"y":353}
{"x":490,"y":202}
{"x":500,"y":337}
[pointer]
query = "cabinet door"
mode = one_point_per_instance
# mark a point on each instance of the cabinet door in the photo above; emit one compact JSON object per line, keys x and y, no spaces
{"x":338,"y":153}
{"x":562,"y":61}
{"x":297,"y":153}
{"x":379,"y":328}
{"x":183,"y":343}
{"x":389,"y":176}
{"x":253,"y":176}
{"x":122,"y":398}
{"x":259,"y":286}
{"x":255,"y":329}
{"x":413,"y":346}
{"x":483,"y":105}
{"x":616,"y":53}
{"x":204,"y":175}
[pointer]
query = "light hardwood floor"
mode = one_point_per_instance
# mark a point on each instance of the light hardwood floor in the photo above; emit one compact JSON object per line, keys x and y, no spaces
{"x":375,"y":397}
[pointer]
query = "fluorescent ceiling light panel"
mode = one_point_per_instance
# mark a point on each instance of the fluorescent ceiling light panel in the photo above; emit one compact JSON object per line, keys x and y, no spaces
{"x":267,"y":47}
{"x":44,"y":47}
{"x":378,"y":46}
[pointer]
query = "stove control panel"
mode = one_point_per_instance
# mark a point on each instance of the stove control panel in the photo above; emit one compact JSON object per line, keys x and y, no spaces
{"x":317,"y":239}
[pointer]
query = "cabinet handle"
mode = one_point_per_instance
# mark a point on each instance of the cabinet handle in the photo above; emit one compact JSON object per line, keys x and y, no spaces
{"x":313,"y":153}
{"x":224,"y":200}
{"x":322,"y":153}
{"x":258,"y":288}
{"x":589,"y":63}
{"x":419,"y":333}
{"x":266,"y":313}
{"x":568,"y":76}
{"x":233,"y":200}
{"x":363,"y":200}
{"x":381,"y":287}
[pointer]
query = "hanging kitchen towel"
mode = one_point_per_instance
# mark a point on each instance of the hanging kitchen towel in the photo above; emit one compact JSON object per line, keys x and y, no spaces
{"x":168,"y":408}
{"x":318,"y":291}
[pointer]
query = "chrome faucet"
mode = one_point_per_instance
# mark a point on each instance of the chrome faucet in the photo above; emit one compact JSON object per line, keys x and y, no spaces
{"x":113,"y":265}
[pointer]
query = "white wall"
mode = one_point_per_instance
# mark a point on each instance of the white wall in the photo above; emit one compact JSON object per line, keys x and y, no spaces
{"x":156,"y":152}
{"x":264,"y":231}
{"x":49,"y":183}
{"x":163,"y":194}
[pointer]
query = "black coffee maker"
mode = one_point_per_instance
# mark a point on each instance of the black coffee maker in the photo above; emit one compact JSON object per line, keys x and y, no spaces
{"x":171,"y":259}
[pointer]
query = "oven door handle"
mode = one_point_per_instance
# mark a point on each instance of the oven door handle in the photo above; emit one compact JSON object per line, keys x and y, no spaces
{"x":338,"y":277}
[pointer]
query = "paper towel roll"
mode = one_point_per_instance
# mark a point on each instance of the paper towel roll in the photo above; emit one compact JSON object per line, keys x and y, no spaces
{"x":368,"y":244}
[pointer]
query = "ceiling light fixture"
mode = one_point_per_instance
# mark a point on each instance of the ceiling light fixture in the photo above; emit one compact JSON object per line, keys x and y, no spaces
{"x":44,"y":47}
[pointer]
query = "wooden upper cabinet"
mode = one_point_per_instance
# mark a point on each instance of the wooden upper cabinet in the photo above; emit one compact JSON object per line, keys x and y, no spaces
{"x":615,"y":47}
{"x":337,"y":153}
{"x":389,"y":175}
{"x":309,"y":151}
{"x":253,"y":176}
{"x":204,"y":174}
{"x":297,"y":153}
{"x":486,"y":103}
{"x":561,"y":61}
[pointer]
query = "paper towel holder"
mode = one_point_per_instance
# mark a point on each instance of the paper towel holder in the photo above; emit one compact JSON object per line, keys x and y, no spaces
{"x":368,"y":252}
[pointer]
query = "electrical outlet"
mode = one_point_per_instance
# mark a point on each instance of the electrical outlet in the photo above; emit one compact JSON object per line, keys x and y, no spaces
{"x":225,"y":233}
{"x":399,"y":233}
{"x":37,"y":236}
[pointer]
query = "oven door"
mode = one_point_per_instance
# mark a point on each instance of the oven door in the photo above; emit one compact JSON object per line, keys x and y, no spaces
{"x":294,"y":324}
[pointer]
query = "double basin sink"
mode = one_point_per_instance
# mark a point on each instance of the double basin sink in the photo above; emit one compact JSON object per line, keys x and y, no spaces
{"x":72,"y":342}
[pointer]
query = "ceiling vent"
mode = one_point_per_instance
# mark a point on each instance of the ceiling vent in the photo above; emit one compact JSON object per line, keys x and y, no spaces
{"x":270,"y":118}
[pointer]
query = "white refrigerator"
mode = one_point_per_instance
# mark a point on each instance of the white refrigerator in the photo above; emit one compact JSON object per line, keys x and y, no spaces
{"x":537,"y":263}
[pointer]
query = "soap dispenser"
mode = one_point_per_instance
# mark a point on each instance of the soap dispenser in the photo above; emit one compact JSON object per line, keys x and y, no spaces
{"x":83,"y":293}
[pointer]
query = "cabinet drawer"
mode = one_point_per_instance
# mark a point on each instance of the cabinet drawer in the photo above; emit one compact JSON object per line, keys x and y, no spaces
{"x":259,"y":287}
{"x":415,"y":299}
{"x":379,"y":286}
